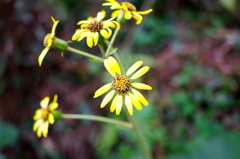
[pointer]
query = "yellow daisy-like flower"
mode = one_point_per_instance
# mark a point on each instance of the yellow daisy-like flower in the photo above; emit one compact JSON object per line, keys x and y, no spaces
{"x":93,"y":28}
{"x":48,"y":41}
{"x":130,"y":10}
{"x":44,"y":116}
{"x":124,"y":88}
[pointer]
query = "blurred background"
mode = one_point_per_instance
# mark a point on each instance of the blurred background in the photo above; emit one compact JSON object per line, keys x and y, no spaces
{"x":192,"y":47}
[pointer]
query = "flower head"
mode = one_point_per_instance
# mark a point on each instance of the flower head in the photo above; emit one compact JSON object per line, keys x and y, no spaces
{"x":124,"y":87}
{"x":44,"y":116}
{"x":129,"y":9}
{"x":48,"y":42}
{"x":93,"y":28}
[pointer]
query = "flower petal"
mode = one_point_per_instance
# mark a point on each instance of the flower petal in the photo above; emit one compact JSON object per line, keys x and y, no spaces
{"x":107,"y":4}
{"x":109,"y":24}
{"x":37,"y":114}
{"x":134,"y":67}
{"x":138,"y":17}
{"x":107,"y":98}
{"x":115,"y":13}
{"x":102,"y":90}
{"x":119,"y":104}
{"x":40,"y":130}
{"x":101,"y":15}
{"x":83,"y":35}
{"x":95,"y":38}
{"x":135,"y":101}
{"x":116,"y":7}
{"x":77,"y":34}
{"x":90,"y":40}
{"x":105,"y":34}
{"x":128,"y":104}
{"x":145,"y":12}
{"x":141,"y":86}
{"x":42,"y":55}
{"x":53,"y":106}
{"x":140,"y":97}
{"x":117,"y":24}
{"x":83,"y":21}
{"x":109,"y":67}
{"x":114,"y":65}
{"x":44,"y":102}
{"x":127,"y":15}
{"x":51,"y":118}
{"x":140,"y":72}
{"x":124,"y":7}
{"x":45,"y":129}
{"x":37,"y":124}
{"x":54,"y":26}
{"x":113,"y":105}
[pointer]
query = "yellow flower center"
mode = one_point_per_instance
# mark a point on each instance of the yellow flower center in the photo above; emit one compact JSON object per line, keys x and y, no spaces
{"x":44,"y":114}
{"x":121,"y":84}
{"x":130,"y":6}
{"x":95,"y":26}
{"x":48,"y":40}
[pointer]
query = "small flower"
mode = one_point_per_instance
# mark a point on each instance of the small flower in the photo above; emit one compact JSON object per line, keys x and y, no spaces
{"x":48,"y":42}
{"x":129,"y":9}
{"x":94,"y":28}
{"x":122,"y":85}
{"x":44,"y":116}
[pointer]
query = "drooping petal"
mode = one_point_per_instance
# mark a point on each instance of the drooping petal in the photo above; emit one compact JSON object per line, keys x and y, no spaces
{"x":138,"y":17}
{"x":45,"y":129}
{"x":77,"y":34}
{"x":115,"y":13}
{"x":117,"y":24}
{"x":95,"y":38}
{"x":109,"y":32}
{"x":134,"y":67}
{"x":140,"y":72}
{"x":90,"y":40}
{"x":37,"y":124}
{"x":141,"y":86}
{"x":145,"y":12}
{"x":44,"y":102}
{"x":107,"y":4}
{"x":42,"y":55}
{"x":83,"y":35}
{"x":140,"y":97}
{"x":135,"y":101}
{"x":114,"y":65}
{"x":108,"y":24}
{"x":107,"y":98}
{"x":116,"y":7}
{"x":83,"y":21}
{"x":102,"y":90}
{"x":119,"y":104}
{"x":128,"y":15}
{"x":113,"y":105}
{"x":105,"y":34}
{"x":51,"y":118}
{"x":101,"y":15}
{"x":109,"y":67}
{"x":54,"y":26}
{"x":40,"y":130}
{"x":128,"y":104}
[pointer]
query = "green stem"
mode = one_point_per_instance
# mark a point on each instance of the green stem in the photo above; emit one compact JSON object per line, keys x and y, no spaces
{"x":111,"y":42}
{"x":84,"y":53}
{"x":102,"y":50}
{"x":97,"y":118}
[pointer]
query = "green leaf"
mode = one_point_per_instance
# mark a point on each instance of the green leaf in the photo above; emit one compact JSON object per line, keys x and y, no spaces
{"x":8,"y":134}
{"x":230,"y":5}
{"x":113,"y":51}
{"x":95,"y":60}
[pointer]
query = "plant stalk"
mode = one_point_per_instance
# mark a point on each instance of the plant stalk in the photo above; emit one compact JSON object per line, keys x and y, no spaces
{"x":111,"y":42}
{"x":84,"y":53}
{"x":102,"y":50}
{"x":98,"y":118}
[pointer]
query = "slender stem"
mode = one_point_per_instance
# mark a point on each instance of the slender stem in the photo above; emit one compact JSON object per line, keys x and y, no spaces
{"x":111,"y":42}
{"x":97,"y":118}
{"x":102,"y":50}
{"x":141,"y":139}
{"x":120,"y":62}
{"x":84,"y":53}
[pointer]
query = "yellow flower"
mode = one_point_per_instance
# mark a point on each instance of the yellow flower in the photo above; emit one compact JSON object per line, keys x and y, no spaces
{"x":48,"y":41}
{"x":128,"y":8}
{"x":122,"y":85}
{"x":44,"y":116}
{"x":93,"y":28}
